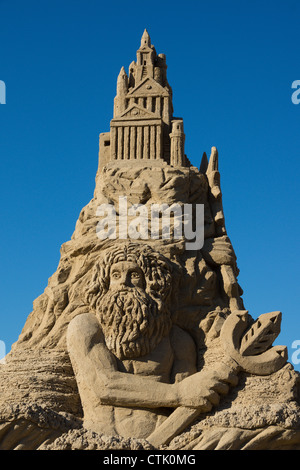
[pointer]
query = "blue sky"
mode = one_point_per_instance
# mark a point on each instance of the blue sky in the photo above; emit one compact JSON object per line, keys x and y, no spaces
{"x":231,"y":64}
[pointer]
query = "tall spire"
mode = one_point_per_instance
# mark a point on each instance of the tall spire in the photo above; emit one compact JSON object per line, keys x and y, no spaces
{"x":145,"y":41}
{"x":122,"y":82}
{"x":122,"y":90}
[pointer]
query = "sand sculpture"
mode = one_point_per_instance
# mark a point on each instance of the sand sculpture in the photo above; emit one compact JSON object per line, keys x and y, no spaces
{"x":141,"y":343}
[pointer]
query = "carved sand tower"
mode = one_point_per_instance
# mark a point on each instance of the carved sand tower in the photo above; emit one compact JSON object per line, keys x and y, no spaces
{"x":141,"y":343}
{"x":143,"y":115}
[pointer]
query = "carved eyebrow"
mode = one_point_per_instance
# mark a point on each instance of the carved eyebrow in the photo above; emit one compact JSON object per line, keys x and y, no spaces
{"x":115,"y":270}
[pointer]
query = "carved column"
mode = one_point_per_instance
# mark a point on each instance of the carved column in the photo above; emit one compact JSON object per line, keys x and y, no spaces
{"x":113,"y":143}
{"x":126,"y":143}
{"x":139,"y":142}
{"x":120,"y":142}
{"x":177,"y":137}
{"x":132,"y":143}
{"x":158,"y":105}
{"x":152,"y":143}
{"x":158,"y":142}
{"x":146,"y":146}
{"x":166,"y":110}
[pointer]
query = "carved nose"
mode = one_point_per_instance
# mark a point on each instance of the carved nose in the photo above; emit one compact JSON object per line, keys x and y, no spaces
{"x":124,"y":281}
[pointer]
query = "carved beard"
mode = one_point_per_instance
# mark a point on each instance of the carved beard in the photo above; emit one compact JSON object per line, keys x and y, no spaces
{"x":132,"y":322}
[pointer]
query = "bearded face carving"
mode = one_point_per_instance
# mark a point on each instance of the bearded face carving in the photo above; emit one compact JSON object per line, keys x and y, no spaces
{"x":130,"y":293}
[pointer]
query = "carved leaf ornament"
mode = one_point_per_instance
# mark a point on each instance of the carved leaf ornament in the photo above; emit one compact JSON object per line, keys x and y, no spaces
{"x":261,"y":334}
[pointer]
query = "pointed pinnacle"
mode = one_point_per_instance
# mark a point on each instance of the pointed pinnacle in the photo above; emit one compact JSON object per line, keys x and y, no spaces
{"x":204,"y":163}
{"x":122,"y":82}
{"x":146,"y":41}
{"x":122,"y":71}
{"x":213,"y":164}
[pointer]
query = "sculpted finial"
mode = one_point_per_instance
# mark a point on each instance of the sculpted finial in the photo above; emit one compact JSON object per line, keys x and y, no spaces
{"x":122,"y":82}
{"x":213,"y":161}
{"x":145,"y":41}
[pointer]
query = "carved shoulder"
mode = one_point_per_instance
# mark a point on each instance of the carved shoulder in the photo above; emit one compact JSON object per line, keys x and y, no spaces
{"x":83,"y":331}
{"x":85,"y":342}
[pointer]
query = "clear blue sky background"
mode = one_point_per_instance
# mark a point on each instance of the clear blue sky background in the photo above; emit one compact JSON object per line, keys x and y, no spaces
{"x":231,"y":64}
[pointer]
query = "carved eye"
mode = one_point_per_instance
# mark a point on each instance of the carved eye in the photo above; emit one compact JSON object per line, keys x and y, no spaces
{"x":135,"y":275}
{"x":116,"y":275}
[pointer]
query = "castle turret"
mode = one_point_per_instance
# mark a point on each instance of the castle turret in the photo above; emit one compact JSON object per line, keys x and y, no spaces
{"x":145,"y":41}
{"x":141,"y":127}
{"x":122,"y":90}
{"x":145,"y":58}
{"x":177,"y":157}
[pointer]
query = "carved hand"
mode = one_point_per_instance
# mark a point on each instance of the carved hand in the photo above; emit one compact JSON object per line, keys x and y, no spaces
{"x":203,"y":389}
